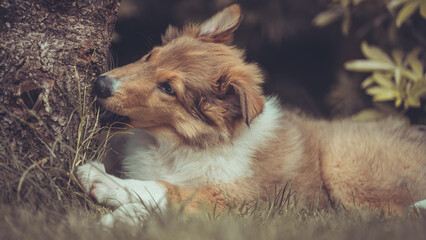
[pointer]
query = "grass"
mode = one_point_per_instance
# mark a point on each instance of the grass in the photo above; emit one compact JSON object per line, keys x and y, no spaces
{"x":76,"y":222}
{"x":41,"y":199}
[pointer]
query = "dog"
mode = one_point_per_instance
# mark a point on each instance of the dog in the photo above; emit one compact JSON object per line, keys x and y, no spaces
{"x":204,"y":133}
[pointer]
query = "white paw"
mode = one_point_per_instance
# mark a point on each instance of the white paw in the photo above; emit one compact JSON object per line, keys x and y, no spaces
{"x":96,"y":182}
{"x":132,"y":198}
{"x":90,"y":172}
{"x":131,"y":213}
{"x":105,"y":192}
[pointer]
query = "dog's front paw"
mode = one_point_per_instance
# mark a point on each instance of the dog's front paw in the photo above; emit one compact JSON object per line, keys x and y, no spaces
{"x":104,"y":188}
{"x":131,"y":214}
{"x":90,"y":173}
{"x":115,"y":192}
{"x":108,"y":192}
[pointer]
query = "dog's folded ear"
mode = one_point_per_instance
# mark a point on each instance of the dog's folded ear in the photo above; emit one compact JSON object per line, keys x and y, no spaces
{"x":250,"y":101}
{"x":240,"y":96}
{"x":221,"y":26}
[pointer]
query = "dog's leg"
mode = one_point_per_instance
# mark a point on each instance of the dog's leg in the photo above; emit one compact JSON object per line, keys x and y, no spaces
{"x":191,"y":200}
{"x":116,"y":192}
{"x":134,"y":199}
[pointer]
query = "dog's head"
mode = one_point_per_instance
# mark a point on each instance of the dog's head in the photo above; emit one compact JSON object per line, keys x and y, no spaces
{"x":195,"y":88}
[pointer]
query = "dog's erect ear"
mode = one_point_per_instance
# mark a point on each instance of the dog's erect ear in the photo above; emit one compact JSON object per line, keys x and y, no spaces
{"x":221,"y":26}
{"x":170,"y":34}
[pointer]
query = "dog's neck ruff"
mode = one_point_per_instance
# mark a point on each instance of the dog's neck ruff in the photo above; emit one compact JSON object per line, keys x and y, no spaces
{"x":190,"y":167}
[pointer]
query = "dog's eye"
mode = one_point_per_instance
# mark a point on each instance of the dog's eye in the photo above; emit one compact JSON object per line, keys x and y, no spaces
{"x":166,"y":88}
{"x":148,"y":57}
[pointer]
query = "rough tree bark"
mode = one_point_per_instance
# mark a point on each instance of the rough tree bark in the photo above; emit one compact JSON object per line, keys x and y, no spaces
{"x":50,"y":52}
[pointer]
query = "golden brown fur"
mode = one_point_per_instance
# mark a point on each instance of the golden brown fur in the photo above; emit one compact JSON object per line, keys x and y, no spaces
{"x":217,"y":94}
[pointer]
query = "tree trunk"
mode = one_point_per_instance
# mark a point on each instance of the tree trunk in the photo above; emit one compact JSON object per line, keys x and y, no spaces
{"x":50,"y":53}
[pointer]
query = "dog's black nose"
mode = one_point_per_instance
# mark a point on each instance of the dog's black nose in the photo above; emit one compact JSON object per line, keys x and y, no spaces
{"x":102,"y":87}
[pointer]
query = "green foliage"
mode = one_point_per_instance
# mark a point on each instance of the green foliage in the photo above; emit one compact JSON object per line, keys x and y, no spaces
{"x":399,"y":77}
{"x":409,"y":7}
{"x":342,"y":9}
{"x":339,"y":9}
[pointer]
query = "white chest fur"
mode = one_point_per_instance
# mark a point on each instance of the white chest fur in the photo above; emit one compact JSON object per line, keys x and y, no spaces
{"x":188,"y":167}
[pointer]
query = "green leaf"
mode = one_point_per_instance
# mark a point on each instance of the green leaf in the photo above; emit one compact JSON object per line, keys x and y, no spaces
{"x":346,"y":23}
{"x":325,"y":18}
{"x":344,"y":3}
{"x":384,"y":80}
{"x":406,"y":12}
{"x":367,"y":82}
{"x":413,"y":61}
{"x":375,"y":53}
{"x":381,"y":94}
{"x":423,"y":10}
{"x":383,"y":97}
{"x":412,"y":101}
{"x":398,"y":77}
{"x":397,"y":55}
{"x":368,"y":66}
{"x":402,"y":85}
{"x":398,"y":101}
{"x":417,"y":89}
{"x":413,"y":54}
{"x":409,"y":74}
{"x":356,"y":2}
{"x":417,"y":67}
{"x":396,"y":3}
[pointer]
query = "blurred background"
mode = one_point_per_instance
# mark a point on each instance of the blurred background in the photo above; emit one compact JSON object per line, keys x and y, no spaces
{"x":302,"y":58}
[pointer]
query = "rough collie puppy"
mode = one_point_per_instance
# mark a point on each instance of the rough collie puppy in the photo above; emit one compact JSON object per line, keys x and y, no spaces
{"x":204,"y":132}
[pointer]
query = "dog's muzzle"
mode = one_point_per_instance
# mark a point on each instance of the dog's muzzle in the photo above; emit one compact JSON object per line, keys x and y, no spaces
{"x":103,"y":86}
